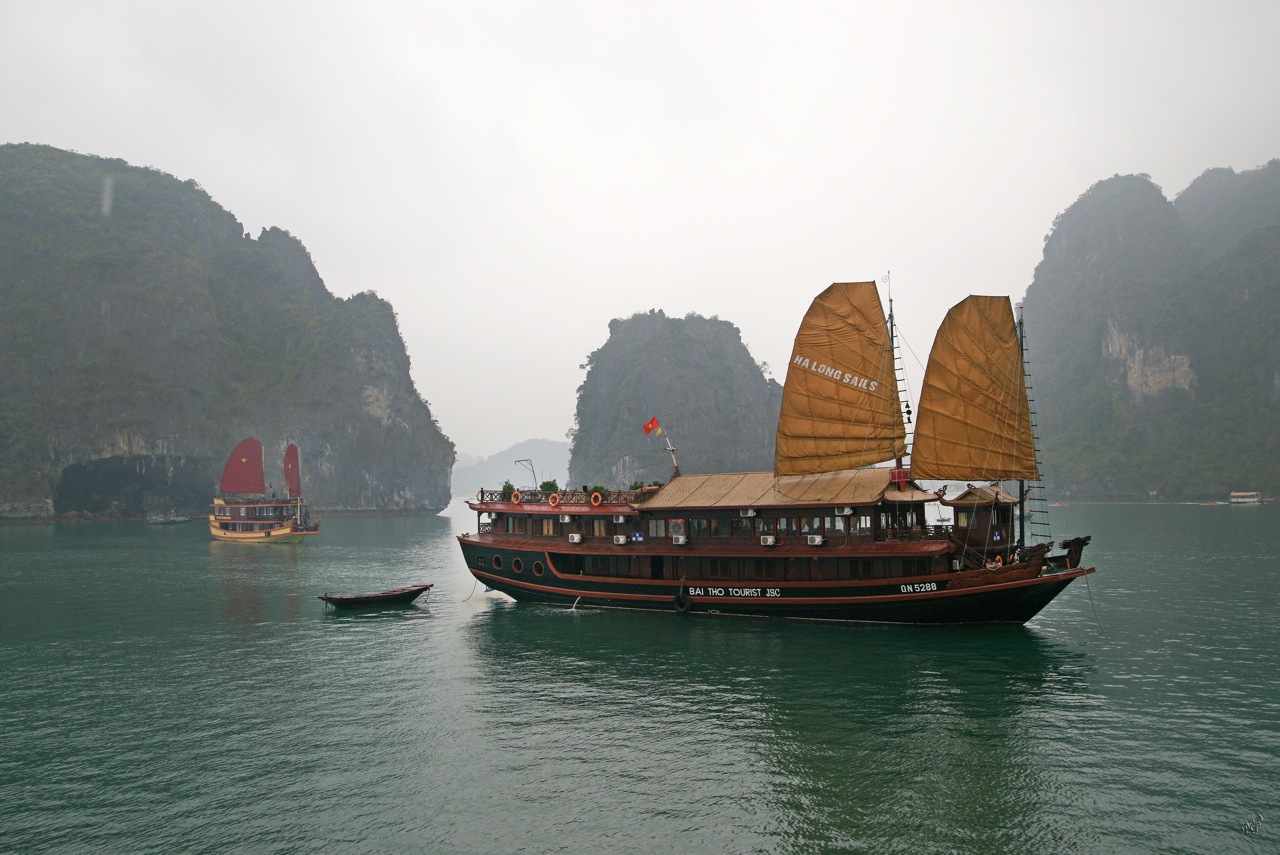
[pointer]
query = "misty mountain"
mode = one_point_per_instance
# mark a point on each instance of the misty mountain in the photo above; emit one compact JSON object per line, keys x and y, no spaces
{"x":550,"y":460}
{"x":697,"y":378}
{"x":1154,"y":335}
{"x":144,"y":334}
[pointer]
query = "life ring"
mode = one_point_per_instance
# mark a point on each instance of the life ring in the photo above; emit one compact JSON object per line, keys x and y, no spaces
{"x":554,"y":500}
{"x":516,"y":497}
{"x":596,"y":499}
{"x":682,"y":601}
{"x":480,"y":495}
{"x":999,"y":560}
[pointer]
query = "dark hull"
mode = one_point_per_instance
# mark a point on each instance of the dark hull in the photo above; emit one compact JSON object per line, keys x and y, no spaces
{"x":906,"y":600}
{"x":395,"y":597}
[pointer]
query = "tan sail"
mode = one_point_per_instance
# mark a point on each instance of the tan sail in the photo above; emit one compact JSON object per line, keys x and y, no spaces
{"x":974,"y":422}
{"x":840,"y":407}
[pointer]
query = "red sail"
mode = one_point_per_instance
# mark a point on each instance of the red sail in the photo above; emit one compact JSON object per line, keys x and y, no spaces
{"x":243,"y":472}
{"x":292,"y":475}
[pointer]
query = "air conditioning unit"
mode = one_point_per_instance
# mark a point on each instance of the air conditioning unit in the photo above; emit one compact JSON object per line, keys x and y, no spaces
{"x":620,"y":540}
{"x":679,"y":540}
{"x":565,"y":518}
{"x":619,"y":518}
{"x":747,"y":512}
{"x":575,"y":538}
{"x":815,"y":540}
{"x":844,"y":512}
{"x":768,"y":540}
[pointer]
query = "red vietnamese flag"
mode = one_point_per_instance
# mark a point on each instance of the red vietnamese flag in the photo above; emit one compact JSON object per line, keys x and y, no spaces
{"x":651,"y":425}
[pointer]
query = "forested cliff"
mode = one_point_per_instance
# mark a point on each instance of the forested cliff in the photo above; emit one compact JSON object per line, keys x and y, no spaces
{"x":1154,"y":334}
{"x":144,"y":333}
{"x":697,"y":378}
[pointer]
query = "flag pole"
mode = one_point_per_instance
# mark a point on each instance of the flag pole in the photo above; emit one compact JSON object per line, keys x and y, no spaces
{"x":671,"y":448}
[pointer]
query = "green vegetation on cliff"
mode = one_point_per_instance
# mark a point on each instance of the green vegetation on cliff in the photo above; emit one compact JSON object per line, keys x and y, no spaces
{"x":1154,"y":332}
{"x":142,"y":324}
{"x":697,"y":377}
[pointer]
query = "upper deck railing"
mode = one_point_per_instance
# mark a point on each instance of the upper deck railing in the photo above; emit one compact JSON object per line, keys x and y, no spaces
{"x":565,"y":497}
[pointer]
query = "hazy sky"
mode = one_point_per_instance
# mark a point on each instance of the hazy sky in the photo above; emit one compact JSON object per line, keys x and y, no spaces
{"x":511,"y":176}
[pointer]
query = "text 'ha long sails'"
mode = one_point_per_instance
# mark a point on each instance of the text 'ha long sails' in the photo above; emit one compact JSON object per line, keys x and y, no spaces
{"x":840,"y":407}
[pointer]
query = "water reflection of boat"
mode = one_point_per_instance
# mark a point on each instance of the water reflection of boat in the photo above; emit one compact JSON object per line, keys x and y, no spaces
{"x":939,"y":733}
{"x":829,"y":534}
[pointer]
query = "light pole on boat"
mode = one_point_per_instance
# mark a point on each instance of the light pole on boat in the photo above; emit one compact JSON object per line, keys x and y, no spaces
{"x":529,"y":463}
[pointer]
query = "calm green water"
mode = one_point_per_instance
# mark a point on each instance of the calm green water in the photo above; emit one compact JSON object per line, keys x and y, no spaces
{"x":165,"y":693}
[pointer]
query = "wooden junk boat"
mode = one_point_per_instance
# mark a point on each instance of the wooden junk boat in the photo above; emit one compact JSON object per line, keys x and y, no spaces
{"x":828,"y":534}
{"x":241,"y":512}
{"x":394,"y":597}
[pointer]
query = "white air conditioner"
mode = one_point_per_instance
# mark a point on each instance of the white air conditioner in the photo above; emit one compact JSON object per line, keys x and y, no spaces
{"x":566,"y":518}
{"x":679,"y":540}
{"x":815,"y":540}
{"x":768,"y":540}
{"x":844,"y":512}
{"x":575,"y":538}
{"x":620,"y":540}
{"x":746,"y":512}
{"x":619,"y":518}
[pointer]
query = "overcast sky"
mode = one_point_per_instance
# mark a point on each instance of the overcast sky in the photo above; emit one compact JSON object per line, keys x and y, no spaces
{"x":511,"y":176}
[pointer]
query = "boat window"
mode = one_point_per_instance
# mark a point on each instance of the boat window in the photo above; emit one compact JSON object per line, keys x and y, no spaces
{"x":764,"y":526}
{"x":497,"y":562}
{"x":517,"y":565}
{"x":787,"y":525}
{"x":761,"y":569}
{"x":715,"y":568}
{"x":657,"y":528}
{"x":548,"y":526}
{"x":741,"y":527}
{"x":719,"y":527}
{"x":864,"y":524}
{"x":599,"y":527}
{"x":811,"y":525}
{"x":537,"y":568}
{"x":698,"y":527}
{"x":515,"y":525}
{"x":833,"y":525}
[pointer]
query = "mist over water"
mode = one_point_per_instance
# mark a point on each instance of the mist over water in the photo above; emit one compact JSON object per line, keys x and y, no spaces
{"x":164,"y":692}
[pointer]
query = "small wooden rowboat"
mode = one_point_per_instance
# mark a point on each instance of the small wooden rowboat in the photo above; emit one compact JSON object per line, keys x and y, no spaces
{"x":394,"y":597}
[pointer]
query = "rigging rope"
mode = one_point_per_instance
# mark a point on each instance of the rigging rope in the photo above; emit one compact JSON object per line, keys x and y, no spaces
{"x":473,"y":590}
{"x":1089,"y":588}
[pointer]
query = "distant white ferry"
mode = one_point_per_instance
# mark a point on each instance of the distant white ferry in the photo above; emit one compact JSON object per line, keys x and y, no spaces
{"x":1245,"y":498}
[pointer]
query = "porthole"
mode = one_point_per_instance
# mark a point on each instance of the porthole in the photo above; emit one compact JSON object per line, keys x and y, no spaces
{"x":517,"y":565}
{"x":497,"y":562}
{"x":537,"y":568}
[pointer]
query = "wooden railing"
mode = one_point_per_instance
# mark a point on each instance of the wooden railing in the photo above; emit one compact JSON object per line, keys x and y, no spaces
{"x":566,"y":497}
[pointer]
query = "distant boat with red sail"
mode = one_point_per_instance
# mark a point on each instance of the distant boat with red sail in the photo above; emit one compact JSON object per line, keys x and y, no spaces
{"x":242,"y":512}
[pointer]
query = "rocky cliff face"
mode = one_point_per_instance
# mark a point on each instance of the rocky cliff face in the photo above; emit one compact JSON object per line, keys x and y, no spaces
{"x":145,"y":334}
{"x":697,"y":377}
{"x":1147,"y":371}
